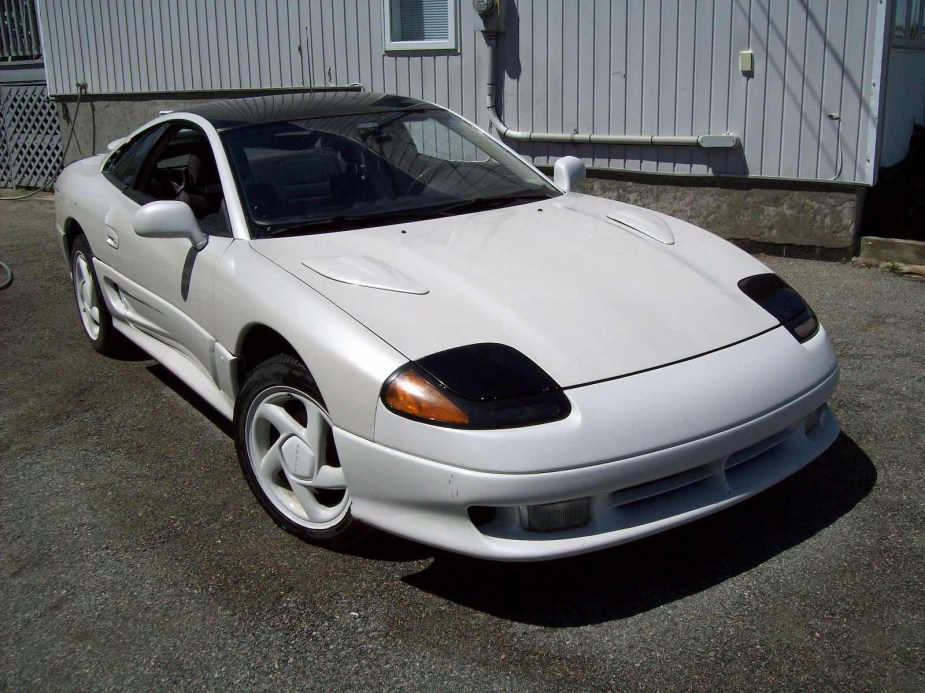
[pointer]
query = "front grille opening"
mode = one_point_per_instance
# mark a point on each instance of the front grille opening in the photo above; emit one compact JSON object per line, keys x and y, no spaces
{"x":665,"y":485}
{"x":674,"y":501}
{"x":809,"y":423}
{"x":812,"y":422}
{"x":481,"y":515}
{"x":758,"y":449}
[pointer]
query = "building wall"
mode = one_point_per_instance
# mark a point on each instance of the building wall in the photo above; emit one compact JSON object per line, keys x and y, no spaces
{"x":659,"y":67}
{"x":905,"y":102}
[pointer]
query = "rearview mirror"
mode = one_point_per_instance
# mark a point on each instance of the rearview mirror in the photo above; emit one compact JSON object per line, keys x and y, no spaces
{"x":568,"y":172}
{"x":169,"y":219}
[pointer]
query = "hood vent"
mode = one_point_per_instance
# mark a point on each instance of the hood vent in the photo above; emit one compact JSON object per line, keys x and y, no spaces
{"x":645,"y":223}
{"x":360,"y":270}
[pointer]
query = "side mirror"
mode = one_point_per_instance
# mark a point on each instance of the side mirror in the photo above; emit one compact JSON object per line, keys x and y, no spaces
{"x":169,"y":219}
{"x":568,"y":172}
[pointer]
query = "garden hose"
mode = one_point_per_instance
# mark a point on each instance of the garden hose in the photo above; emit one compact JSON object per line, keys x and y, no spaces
{"x":7,"y":275}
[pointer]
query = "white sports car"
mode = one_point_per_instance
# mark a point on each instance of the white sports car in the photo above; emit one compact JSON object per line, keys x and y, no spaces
{"x":412,"y":328}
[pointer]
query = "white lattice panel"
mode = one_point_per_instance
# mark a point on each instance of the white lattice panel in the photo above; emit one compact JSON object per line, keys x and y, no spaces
{"x":30,"y":139}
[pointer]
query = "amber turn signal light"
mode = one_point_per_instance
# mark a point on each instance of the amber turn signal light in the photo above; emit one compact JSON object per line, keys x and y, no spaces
{"x":412,"y":395}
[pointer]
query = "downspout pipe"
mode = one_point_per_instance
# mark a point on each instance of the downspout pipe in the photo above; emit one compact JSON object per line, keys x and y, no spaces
{"x":726,"y":140}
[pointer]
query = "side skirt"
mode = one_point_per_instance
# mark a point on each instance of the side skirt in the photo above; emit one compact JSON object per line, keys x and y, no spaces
{"x":181,"y":367}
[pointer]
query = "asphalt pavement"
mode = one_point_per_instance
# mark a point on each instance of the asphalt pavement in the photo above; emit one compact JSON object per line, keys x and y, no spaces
{"x":133,"y":557}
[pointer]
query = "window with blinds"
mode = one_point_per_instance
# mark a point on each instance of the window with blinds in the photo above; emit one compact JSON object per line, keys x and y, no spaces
{"x":908,"y":20}
{"x":420,"y":25}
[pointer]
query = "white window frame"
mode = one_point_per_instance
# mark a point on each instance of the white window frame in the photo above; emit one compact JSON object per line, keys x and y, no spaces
{"x":393,"y":46}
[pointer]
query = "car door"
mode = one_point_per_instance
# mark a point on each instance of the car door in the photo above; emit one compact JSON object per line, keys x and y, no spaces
{"x":119,"y":171}
{"x":163,"y":286}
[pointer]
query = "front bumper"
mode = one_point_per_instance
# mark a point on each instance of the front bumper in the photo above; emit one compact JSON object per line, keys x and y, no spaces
{"x":651,"y":451}
{"x":631,"y":497}
{"x":428,"y":502}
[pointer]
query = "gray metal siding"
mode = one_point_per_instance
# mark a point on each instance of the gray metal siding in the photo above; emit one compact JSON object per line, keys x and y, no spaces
{"x":665,"y":67}
{"x":19,"y":32}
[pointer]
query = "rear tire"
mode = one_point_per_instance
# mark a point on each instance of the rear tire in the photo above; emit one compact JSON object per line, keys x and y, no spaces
{"x":91,"y":308}
{"x":286,"y":449}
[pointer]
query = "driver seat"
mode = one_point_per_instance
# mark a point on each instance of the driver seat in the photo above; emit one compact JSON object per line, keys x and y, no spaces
{"x":202,"y":190}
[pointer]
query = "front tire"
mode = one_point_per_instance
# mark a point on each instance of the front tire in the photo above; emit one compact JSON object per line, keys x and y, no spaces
{"x":288,"y":456}
{"x":94,"y":315}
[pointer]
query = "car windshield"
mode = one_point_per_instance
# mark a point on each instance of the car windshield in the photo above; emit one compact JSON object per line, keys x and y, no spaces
{"x":333,"y":173}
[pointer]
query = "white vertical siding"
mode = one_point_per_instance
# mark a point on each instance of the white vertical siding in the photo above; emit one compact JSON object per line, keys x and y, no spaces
{"x":665,"y":67}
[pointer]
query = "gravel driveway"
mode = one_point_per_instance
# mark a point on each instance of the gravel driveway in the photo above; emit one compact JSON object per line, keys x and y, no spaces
{"x":134,"y":557}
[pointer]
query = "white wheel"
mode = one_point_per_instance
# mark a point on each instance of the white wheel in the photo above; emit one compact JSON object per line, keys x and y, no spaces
{"x":290,"y":447}
{"x":288,"y":455}
{"x":86,"y":293}
{"x":94,"y":315}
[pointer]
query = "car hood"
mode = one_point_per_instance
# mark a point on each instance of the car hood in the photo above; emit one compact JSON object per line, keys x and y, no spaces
{"x":588,"y":288}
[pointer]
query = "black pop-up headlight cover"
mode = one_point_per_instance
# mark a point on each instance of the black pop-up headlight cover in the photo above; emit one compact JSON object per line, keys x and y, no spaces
{"x":495,"y":385}
{"x":778,"y":298}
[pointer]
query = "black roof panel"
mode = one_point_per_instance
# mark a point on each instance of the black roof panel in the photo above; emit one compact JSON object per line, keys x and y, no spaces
{"x":232,"y":113}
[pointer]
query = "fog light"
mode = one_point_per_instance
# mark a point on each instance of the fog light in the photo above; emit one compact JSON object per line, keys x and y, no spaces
{"x":554,"y":517}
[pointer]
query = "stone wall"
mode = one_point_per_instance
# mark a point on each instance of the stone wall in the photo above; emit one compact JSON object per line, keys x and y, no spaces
{"x":748,"y":210}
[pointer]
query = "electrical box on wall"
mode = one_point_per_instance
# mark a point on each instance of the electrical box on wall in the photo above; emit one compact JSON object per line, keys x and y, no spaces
{"x":747,"y":63}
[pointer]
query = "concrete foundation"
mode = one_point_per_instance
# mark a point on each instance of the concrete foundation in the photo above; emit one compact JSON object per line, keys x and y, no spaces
{"x":757,"y":213}
{"x":892,"y":250}
{"x":784,"y":217}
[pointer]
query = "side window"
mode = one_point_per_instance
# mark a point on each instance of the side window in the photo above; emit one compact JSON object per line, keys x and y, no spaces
{"x":182,"y":167}
{"x":124,"y":164}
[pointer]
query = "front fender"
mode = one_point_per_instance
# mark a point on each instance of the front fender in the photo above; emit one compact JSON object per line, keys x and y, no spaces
{"x":349,"y":363}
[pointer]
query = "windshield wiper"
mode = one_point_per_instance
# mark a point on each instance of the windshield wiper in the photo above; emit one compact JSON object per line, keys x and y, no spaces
{"x":480,"y":203}
{"x":342,"y":222}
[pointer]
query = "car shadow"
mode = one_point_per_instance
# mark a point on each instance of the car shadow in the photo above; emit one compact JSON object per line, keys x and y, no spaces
{"x":643,"y":575}
{"x":191,"y":397}
{"x":129,"y":351}
{"x":382,"y":546}
{"x":636,"y":577}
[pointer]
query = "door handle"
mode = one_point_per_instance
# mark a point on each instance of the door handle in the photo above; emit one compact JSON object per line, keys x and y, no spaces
{"x":112,"y":238}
